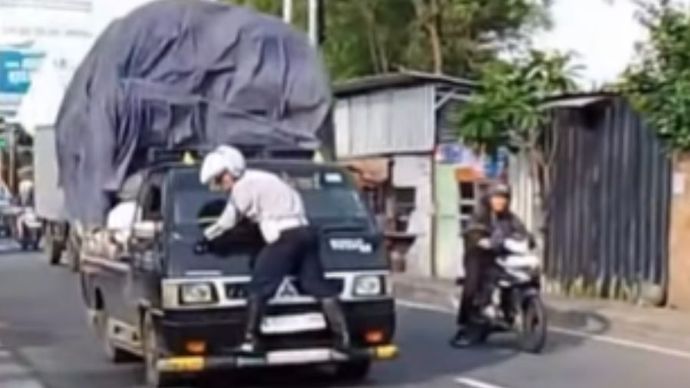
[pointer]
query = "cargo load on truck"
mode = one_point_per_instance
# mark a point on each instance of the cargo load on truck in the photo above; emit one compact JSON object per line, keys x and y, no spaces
{"x":181,"y":73}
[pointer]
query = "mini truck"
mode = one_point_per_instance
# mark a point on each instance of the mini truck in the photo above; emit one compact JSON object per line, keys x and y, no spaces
{"x":184,"y":312}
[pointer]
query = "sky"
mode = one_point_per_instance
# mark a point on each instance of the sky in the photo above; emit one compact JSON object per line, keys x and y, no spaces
{"x":602,"y":34}
{"x":64,"y":34}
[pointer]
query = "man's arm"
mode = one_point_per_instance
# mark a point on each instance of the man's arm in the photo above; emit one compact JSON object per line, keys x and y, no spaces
{"x":227,"y":220}
{"x":520,"y":229}
{"x":238,"y":205}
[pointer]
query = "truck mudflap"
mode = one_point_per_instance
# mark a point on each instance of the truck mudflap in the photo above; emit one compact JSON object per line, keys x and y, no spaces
{"x":196,"y":364}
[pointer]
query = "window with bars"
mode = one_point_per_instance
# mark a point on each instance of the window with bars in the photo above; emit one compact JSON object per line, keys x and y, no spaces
{"x":470,"y":192}
{"x":403,"y":205}
{"x":375,"y":199}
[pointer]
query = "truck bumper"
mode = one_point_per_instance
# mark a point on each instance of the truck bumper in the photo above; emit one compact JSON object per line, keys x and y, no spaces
{"x":198,"y":364}
{"x":217,"y":333}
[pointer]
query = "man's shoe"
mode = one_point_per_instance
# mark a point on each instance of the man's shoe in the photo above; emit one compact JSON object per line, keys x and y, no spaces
{"x":462,"y":339}
{"x":338,"y":324}
{"x":251,"y":346}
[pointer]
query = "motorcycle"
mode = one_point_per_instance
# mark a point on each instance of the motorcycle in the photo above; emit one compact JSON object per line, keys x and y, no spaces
{"x":31,"y":230}
{"x":514,"y":298}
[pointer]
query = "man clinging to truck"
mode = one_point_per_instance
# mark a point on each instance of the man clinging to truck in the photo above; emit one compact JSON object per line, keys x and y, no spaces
{"x":291,"y":244}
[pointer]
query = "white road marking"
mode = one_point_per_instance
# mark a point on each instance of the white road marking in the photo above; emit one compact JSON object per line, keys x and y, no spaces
{"x":624,"y":342}
{"x":15,"y":375}
{"x":23,"y":383}
{"x":473,"y":383}
{"x":11,"y":368}
{"x":573,"y":333}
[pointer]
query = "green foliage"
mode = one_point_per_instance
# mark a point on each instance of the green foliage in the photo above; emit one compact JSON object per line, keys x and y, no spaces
{"x":508,"y":108}
{"x":273,"y":7}
{"x":457,"y":37}
{"x":658,"y":84}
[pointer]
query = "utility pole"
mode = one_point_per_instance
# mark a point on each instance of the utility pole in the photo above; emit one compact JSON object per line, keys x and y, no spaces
{"x":314,"y":22}
{"x":287,"y":11}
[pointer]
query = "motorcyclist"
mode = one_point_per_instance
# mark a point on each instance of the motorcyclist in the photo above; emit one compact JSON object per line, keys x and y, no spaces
{"x":26,"y":203}
{"x":291,"y":244}
{"x":492,"y":223}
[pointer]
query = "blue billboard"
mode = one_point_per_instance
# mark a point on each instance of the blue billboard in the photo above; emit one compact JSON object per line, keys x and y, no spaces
{"x":16,"y":68}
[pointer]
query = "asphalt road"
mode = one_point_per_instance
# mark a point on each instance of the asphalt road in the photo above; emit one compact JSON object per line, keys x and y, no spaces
{"x":45,"y":343}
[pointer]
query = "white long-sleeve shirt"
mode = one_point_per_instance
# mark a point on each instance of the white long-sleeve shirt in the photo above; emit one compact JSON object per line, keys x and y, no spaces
{"x":264,"y":198}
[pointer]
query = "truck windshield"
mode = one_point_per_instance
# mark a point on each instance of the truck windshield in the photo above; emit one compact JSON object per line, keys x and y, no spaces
{"x":328,"y":198}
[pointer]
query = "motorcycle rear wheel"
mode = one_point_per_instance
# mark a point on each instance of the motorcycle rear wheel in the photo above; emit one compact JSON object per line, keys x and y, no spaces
{"x":533,"y":325}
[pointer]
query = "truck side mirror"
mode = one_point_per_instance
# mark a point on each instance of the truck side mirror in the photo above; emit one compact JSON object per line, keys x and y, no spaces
{"x":146,"y":230}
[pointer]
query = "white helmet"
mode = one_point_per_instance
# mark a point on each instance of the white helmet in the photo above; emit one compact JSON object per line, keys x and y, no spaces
{"x":222,"y":159}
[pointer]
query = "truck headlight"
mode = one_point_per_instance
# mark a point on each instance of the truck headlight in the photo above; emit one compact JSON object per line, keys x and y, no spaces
{"x":197,"y":293}
{"x":369,"y":285}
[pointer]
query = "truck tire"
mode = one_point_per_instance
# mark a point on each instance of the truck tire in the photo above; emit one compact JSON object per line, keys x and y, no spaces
{"x":73,"y":250}
{"x":154,"y":377}
{"x":52,"y":248}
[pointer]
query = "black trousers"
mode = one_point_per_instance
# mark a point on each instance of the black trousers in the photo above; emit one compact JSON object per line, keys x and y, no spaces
{"x":295,"y":253}
{"x":477,"y":270}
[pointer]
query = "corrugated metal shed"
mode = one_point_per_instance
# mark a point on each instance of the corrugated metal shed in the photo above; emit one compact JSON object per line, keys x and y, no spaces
{"x":609,"y":210}
{"x":388,"y":121}
{"x":364,"y":85}
{"x":525,"y":202}
{"x":393,"y":113}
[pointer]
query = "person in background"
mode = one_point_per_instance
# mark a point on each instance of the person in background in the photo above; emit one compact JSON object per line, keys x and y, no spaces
{"x":291,"y":244}
{"x":122,"y":216}
{"x":26,"y":193}
{"x":495,"y":220}
{"x":25,"y":200}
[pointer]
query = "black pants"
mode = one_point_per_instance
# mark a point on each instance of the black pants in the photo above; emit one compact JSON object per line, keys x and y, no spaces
{"x":295,"y":253}
{"x":477,"y":268}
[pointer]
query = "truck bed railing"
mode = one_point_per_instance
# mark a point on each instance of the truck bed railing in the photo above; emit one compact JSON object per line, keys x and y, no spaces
{"x":251,"y":152}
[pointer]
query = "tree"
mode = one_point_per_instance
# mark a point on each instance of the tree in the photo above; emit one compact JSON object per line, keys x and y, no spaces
{"x":509,"y":110}
{"x":456,"y":37}
{"x":463,"y":35}
{"x":658,"y":83}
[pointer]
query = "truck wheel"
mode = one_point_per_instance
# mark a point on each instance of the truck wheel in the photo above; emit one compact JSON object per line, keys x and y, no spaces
{"x":154,"y":377}
{"x":353,"y":371}
{"x":52,"y":250}
{"x":73,"y":254}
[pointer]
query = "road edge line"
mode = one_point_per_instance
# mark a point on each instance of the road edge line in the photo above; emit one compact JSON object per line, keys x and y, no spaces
{"x":570,"y":332}
{"x":474,"y":383}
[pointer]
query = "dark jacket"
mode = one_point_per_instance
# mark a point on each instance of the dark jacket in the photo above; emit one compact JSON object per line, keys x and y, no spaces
{"x":497,"y":227}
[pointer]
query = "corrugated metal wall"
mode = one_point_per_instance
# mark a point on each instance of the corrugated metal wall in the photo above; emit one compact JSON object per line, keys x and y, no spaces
{"x":387,"y":121}
{"x":525,"y":202}
{"x":609,"y":213}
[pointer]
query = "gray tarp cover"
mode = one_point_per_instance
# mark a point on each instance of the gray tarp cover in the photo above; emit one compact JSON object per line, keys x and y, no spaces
{"x":184,"y":72}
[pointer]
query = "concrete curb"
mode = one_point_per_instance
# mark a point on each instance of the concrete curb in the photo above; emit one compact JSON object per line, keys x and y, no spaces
{"x":590,"y":316}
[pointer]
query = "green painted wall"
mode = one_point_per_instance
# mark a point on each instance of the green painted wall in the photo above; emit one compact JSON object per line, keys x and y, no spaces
{"x":448,"y":248}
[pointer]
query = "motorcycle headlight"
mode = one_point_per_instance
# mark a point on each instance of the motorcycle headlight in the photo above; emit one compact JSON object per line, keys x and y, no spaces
{"x":369,"y":285}
{"x":197,"y":293}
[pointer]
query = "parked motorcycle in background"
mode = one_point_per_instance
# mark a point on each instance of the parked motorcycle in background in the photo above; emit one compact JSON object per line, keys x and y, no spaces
{"x":5,"y":211}
{"x":514,"y":290}
{"x":30,"y":229}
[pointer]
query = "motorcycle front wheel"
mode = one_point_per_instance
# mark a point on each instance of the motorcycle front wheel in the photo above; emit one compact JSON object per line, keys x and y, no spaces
{"x":533,"y":325}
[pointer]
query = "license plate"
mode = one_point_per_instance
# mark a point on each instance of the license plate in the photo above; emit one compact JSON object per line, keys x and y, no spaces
{"x":296,"y":323}
{"x":299,"y":357}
